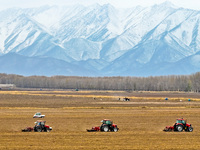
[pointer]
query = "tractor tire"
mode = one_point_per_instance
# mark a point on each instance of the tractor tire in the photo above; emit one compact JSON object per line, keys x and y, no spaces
{"x":115,"y":129}
{"x":105,"y":128}
{"x":190,"y":129}
{"x":179,"y":128}
{"x":47,"y":130}
{"x":39,"y":130}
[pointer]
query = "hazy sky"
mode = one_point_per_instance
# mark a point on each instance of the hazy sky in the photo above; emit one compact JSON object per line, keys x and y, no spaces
{"x":193,"y":4}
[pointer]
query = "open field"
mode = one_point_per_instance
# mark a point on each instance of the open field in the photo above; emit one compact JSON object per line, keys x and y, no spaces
{"x":70,"y":113}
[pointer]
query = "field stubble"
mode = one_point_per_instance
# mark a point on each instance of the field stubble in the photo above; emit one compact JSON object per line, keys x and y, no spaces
{"x":141,"y":120}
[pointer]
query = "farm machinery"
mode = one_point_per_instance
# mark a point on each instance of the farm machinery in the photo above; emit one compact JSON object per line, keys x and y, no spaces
{"x":107,"y":125}
{"x":126,"y":99}
{"x":40,"y":126}
{"x":179,"y":126}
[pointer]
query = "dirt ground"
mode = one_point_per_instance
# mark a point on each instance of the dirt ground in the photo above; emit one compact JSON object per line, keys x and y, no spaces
{"x":70,"y":113}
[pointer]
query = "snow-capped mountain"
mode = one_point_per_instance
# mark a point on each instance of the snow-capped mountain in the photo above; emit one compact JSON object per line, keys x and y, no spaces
{"x":101,"y":40}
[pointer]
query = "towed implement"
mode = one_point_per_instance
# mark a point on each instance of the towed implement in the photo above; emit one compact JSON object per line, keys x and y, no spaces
{"x":107,"y":125}
{"x":40,"y":126}
{"x":179,"y":126}
{"x":27,"y":129}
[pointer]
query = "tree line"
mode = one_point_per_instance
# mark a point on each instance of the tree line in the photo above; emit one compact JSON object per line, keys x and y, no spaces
{"x":157,"y":83}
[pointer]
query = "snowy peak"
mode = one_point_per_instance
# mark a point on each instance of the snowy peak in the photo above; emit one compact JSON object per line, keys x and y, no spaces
{"x":165,"y":5}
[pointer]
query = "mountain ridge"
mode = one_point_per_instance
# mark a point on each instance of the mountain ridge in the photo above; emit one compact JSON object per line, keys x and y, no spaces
{"x":105,"y":40}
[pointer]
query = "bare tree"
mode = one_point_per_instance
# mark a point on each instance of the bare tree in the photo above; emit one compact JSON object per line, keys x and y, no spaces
{"x":158,"y":83}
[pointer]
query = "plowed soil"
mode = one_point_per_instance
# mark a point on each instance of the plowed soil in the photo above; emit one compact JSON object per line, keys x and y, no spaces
{"x":70,"y":113}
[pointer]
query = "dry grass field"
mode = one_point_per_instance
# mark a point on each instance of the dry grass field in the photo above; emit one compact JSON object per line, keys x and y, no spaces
{"x":70,"y":113}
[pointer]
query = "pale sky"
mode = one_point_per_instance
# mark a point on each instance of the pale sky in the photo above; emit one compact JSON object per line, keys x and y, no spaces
{"x":192,"y":4}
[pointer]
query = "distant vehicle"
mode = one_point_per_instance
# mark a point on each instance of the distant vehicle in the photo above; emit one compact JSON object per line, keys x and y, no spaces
{"x":107,"y":125}
{"x":126,"y":99}
{"x":38,"y":115}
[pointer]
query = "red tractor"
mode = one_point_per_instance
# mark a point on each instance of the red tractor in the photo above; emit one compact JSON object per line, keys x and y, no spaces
{"x":179,"y":126}
{"x":39,"y":127}
{"x":107,"y":125}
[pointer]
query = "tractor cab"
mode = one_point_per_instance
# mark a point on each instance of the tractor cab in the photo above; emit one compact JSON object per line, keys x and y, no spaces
{"x":107,"y":122}
{"x":39,"y":122}
{"x":181,"y":121}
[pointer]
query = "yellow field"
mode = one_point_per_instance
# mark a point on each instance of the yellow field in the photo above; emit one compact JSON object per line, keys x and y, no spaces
{"x":70,"y":113}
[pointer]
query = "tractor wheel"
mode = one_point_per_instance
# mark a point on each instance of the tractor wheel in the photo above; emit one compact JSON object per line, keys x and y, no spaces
{"x":47,"y":130}
{"x":115,"y":129}
{"x":190,"y":129}
{"x":105,"y":129}
{"x":39,"y":130}
{"x":179,"y":128}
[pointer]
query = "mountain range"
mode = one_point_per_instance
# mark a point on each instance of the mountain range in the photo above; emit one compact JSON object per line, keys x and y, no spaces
{"x":100,"y":40}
